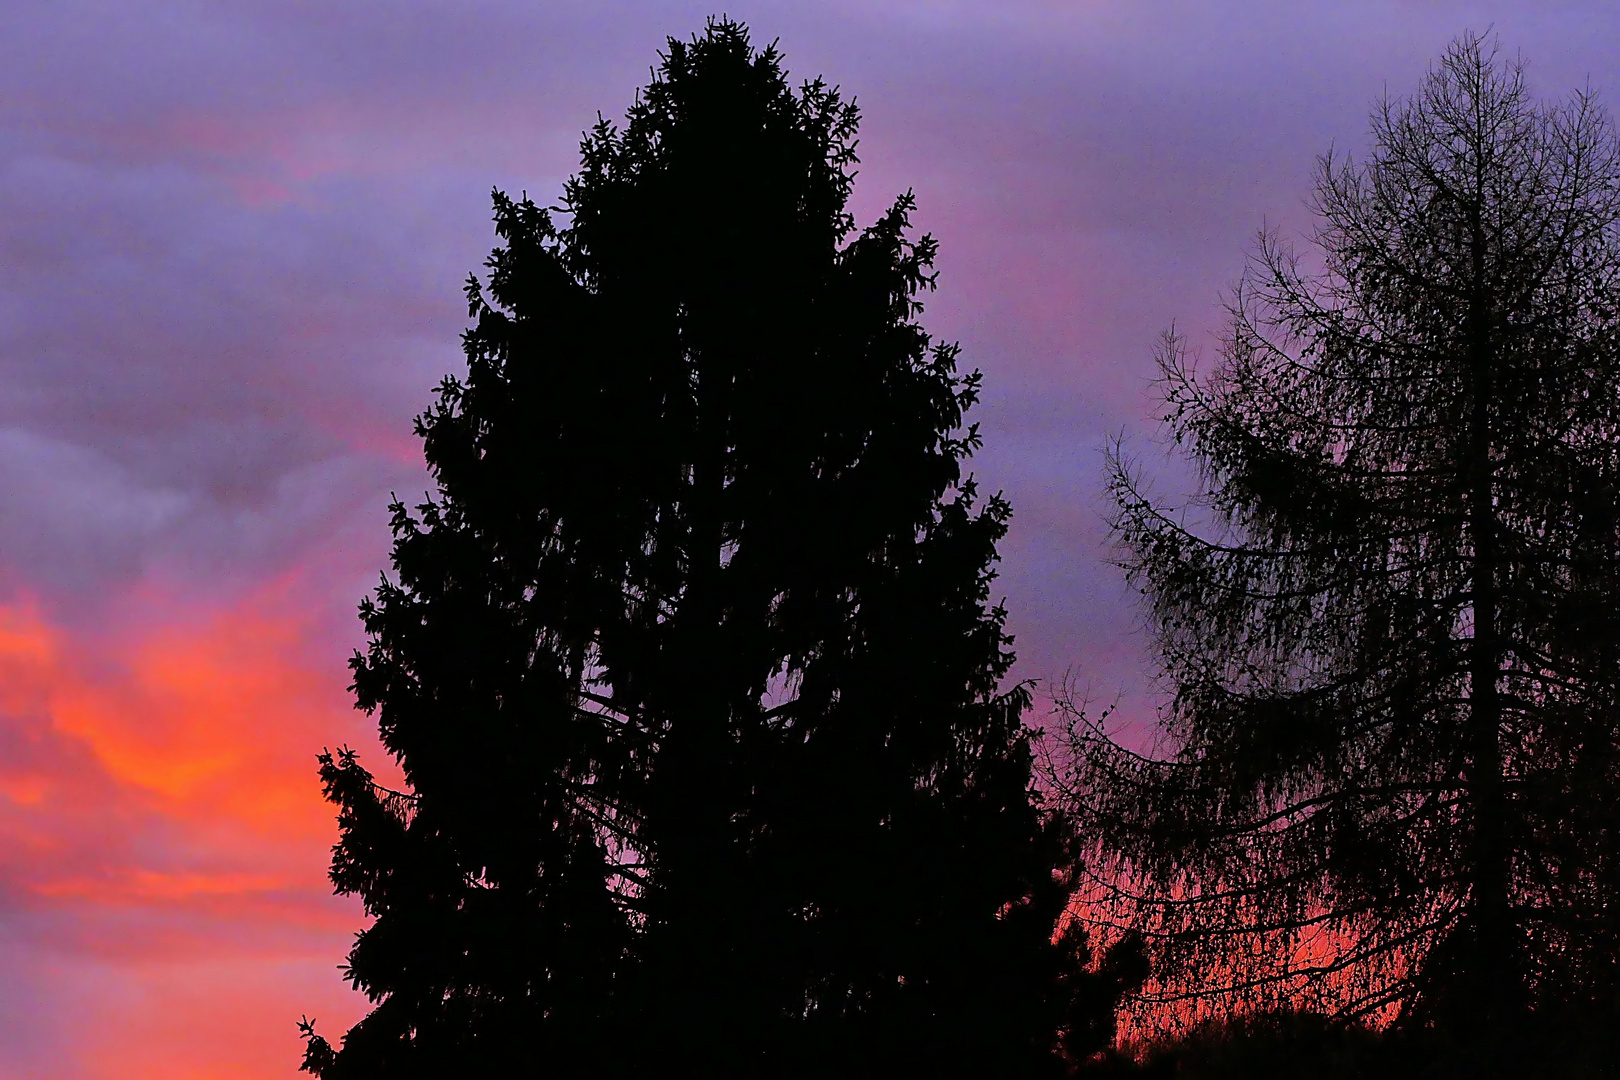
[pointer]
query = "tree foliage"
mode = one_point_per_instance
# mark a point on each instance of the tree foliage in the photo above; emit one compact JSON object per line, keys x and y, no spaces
{"x":1388,"y":624}
{"x":689,"y":661}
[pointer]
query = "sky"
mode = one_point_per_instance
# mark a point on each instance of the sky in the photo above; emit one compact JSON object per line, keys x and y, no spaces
{"x":232,"y":238}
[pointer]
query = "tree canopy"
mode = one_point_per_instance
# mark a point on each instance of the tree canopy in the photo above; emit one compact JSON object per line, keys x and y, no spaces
{"x":689,"y":661}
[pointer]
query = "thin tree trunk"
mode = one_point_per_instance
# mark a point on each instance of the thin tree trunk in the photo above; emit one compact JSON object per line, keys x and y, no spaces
{"x":1492,"y":947}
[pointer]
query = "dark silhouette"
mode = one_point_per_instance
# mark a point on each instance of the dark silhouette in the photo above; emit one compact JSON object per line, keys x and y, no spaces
{"x":1282,"y":1045}
{"x":689,"y":661}
{"x":1389,"y":622}
{"x":1288,"y":1044}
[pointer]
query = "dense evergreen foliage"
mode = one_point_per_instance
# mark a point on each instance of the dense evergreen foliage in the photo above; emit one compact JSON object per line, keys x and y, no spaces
{"x":689,"y":661}
{"x":1390,"y":623}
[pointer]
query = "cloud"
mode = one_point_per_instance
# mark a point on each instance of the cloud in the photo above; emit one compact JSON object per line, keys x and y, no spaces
{"x":162,"y":831}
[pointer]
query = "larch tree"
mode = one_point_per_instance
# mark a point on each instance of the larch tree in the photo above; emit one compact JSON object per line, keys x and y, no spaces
{"x":1388,"y":624}
{"x":689,"y":662}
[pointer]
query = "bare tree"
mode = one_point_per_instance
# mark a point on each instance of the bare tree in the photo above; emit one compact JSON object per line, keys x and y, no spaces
{"x":1388,"y":622}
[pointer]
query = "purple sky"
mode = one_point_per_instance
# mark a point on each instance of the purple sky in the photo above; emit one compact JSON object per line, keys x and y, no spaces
{"x":232,"y":238}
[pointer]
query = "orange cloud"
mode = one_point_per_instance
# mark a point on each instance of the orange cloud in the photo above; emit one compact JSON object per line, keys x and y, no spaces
{"x":163,"y":842}
{"x":218,"y":718}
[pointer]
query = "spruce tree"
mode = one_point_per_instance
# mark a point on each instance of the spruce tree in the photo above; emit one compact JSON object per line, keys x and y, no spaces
{"x":1389,"y":624}
{"x":689,"y":661}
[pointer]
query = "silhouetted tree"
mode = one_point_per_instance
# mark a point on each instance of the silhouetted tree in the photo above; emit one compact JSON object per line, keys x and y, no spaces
{"x":689,"y":662}
{"x":1389,"y":623}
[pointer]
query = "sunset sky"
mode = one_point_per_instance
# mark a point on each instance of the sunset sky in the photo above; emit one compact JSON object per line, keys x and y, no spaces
{"x":232,"y":238}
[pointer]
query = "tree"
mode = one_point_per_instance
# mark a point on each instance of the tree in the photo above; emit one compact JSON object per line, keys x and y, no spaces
{"x":1388,"y":623}
{"x":689,"y":662}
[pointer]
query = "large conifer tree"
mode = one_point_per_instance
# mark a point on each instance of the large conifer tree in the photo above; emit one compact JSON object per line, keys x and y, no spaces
{"x":1389,"y":625}
{"x":689,"y":662}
